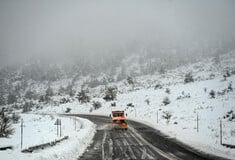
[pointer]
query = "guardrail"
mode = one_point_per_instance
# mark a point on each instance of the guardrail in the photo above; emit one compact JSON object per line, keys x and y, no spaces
{"x":44,"y":145}
{"x":5,"y":148}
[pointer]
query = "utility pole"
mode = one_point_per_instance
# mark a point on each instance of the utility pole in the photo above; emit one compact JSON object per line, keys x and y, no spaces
{"x":60,"y":127}
{"x":197,"y":123}
{"x":157,"y":116}
{"x":135,"y":111}
{"x":221,"y":133}
{"x":22,"y":126}
{"x":57,"y":123}
{"x":57,"y":130}
{"x":75,"y":123}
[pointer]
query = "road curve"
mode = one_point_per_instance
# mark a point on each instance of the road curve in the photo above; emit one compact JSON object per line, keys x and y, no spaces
{"x":140,"y":141}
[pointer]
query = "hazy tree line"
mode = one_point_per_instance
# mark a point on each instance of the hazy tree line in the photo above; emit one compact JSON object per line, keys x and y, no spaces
{"x":151,"y":59}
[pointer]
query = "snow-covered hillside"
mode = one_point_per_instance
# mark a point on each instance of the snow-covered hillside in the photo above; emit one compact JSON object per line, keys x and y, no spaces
{"x":210,"y":96}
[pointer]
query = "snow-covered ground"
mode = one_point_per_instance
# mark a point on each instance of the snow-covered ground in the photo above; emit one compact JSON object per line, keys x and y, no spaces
{"x":186,"y":102}
{"x":40,"y":129}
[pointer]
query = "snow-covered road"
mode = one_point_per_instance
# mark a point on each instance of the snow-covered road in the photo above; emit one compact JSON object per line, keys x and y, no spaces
{"x":138,"y":142}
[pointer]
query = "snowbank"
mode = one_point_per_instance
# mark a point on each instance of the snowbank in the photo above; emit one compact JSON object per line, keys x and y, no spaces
{"x":39,"y":129}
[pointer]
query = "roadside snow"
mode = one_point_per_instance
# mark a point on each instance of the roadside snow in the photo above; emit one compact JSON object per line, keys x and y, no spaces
{"x":39,"y":129}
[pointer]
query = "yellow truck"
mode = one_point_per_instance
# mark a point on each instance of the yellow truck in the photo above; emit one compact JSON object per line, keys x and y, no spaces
{"x":119,"y":120}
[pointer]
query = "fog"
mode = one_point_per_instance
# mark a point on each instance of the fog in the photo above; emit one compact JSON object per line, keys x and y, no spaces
{"x":67,"y":29}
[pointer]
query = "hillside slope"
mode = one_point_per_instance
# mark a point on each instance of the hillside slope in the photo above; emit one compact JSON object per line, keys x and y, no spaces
{"x":143,"y":101}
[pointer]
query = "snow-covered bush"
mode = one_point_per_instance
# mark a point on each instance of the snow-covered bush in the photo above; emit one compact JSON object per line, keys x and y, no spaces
{"x":211,"y":76}
{"x":42,"y":98}
{"x":226,"y":90}
{"x":233,"y":133}
{"x":183,"y":96}
{"x":158,"y":86}
{"x":16,"y":106}
{"x":11,"y":98}
{"x":130,"y":80}
{"x":130,"y":105}
{"x":227,"y":74}
{"x":212,"y":94}
{"x":67,"y":110}
{"x":27,"y":107}
{"x":68,"y":90}
{"x":2,"y":100}
{"x":230,"y":116}
{"x":166,"y":101}
{"x":110,"y":93}
{"x":94,"y":82}
{"x":205,"y":89}
{"x":167,"y":115}
{"x":15,"y":118}
{"x":64,"y":100}
{"x":49,"y":94}
{"x":113,"y":104}
{"x":188,"y":78}
{"x":168,"y":91}
{"x":147,"y":101}
{"x":30,"y":95}
{"x":162,"y":70}
{"x":230,"y":88}
{"x":96,"y":104}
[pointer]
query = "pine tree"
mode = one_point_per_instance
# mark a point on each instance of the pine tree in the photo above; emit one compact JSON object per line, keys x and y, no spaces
{"x":110,"y":93}
{"x":49,"y":94}
{"x":162,"y":70}
{"x":130,"y":80}
{"x":11,"y":98}
{"x":27,"y":107}
{"x":69,"y":90}
{"x":188,"y":78}
{"x":2,"y":100}
{"x":83,"y":97}
{"x":122,"y":74}
{"x":29,"y":94}
{"x":5,"y":125}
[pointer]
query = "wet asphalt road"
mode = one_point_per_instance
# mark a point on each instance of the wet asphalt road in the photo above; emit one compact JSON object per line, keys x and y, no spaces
{"x":138,"y":142}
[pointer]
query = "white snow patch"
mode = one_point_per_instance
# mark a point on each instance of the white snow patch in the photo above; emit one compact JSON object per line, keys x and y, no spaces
{"x":39,"y":129}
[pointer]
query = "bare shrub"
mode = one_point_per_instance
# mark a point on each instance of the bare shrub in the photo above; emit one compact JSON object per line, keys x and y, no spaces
{"x":96,"y":104}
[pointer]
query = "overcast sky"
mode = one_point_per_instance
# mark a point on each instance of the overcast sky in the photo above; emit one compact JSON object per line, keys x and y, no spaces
{"x":61,"y":28}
